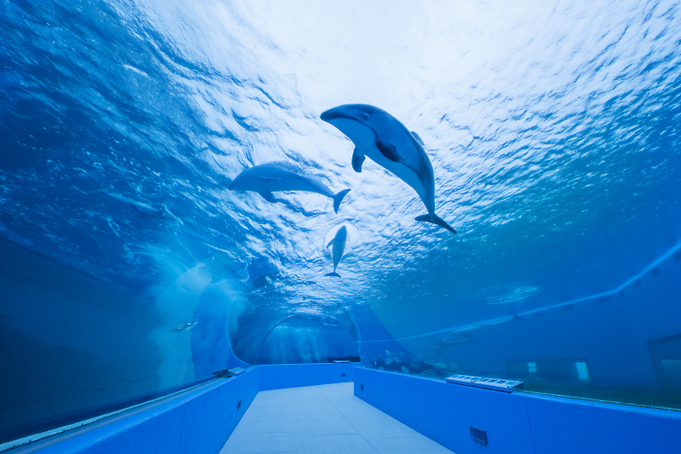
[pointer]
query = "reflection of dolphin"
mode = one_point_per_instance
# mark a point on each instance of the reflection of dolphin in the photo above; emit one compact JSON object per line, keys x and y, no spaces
{"x":185,"y":326}
{"x":338,"y":242}
{"x":268,"y":178}
{"x":150,"y":209}
{"x":438,"y":347}
{"x":386,"y":141}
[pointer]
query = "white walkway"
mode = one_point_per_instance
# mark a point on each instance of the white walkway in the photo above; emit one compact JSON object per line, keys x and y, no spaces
{"x":322,"y":419}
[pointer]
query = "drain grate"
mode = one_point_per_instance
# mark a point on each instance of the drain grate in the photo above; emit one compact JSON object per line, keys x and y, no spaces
{"x":496,"y":384}
{"x":238,"y":405}
{"x":361,"y":387}
{"x":479,"y":435}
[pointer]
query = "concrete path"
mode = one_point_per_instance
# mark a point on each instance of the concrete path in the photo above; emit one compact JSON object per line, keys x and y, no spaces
{"x":322,"y":419}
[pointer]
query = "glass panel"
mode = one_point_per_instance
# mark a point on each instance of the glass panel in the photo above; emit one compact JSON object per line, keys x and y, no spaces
{"x":174,"y":196}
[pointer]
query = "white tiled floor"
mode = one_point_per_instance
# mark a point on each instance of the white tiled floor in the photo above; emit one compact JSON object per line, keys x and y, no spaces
{"x":322,"y":419}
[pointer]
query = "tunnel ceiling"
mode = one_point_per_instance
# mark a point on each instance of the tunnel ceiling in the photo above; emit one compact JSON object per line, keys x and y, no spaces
{"x":537,"y":129}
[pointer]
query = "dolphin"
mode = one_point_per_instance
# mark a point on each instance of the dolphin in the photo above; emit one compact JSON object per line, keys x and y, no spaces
{"x":338,"y":241}
{"x":272,"y":177}
{"x":149,"y":209}
{"x":189,"y":324}
{"x":382,"y":137}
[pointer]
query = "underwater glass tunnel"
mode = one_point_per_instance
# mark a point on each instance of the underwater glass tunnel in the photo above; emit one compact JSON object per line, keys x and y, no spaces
{"x":173,"y":200}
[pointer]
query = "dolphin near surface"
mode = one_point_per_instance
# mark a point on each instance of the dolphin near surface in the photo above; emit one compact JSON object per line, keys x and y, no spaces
{"x":385,"y":140}
{"x":274,"y":177}
{"x":338,"y":241}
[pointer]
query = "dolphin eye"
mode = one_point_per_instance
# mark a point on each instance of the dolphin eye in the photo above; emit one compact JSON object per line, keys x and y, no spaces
{"x":365,"y":116}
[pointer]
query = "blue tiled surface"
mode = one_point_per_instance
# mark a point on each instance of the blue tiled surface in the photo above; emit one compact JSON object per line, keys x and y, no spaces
{"x":199,"y":421}
{"x":329,"y":418}
{"x":322,"y":419}
{"x":517,"y":422}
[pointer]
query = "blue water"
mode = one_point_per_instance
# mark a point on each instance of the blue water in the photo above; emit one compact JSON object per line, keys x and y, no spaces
{"x":129,"y":268}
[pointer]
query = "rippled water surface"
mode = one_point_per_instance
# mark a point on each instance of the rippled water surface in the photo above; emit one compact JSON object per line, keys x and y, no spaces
{"x":552,"y":128}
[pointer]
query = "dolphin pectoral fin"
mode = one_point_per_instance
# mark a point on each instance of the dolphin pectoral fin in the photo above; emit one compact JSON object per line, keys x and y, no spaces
{"x":338,"y":198}
{"x":418,"y":138}
{"x":268,"y":196}
{"x":334,"y":274}
{"x":330,"y":242}
{"x":388,"y":150}
{"x":357,"y":160}
{"x":435,"y":220}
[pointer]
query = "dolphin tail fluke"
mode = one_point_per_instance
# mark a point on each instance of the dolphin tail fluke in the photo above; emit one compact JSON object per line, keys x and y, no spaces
{"x":435,"y":220}
{"x":334,"y":274}
{"x":338,"y":198}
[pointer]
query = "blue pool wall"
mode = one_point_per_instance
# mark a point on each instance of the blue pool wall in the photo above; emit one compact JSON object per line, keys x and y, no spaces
{"x":296,"y":375}
{"x":516,"y":422}
{"x":199,"y":420}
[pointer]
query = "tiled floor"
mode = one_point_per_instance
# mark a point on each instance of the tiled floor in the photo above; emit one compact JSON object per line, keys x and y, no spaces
{"x":322,"y":419}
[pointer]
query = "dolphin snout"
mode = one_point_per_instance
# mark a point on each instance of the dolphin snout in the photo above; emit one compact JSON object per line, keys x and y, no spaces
{"x":328,"y":115}
{"x":333,"y":114}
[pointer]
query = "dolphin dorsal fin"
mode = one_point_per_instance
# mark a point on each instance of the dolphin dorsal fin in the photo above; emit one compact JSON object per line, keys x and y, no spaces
{"x":268,"y":196}
{"x":418,"y":138}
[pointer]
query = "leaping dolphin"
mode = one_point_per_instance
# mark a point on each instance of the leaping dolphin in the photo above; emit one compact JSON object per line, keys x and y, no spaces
{"x":338,"y":242}
{"x":273,"y":177}
{"x":382,"y":137}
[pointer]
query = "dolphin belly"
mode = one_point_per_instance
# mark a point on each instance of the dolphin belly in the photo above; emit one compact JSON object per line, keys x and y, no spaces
{"x":402,"y":172}
{"x":338,"y":249}
{"x":297,"y":184}
{"x":339,"y":240}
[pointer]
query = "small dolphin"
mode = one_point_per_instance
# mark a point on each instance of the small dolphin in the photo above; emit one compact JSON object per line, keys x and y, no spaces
{"x":185,"y":326}
{"x":380,"y":136}
{"x":149,"y":209}
{"x":338,"y":241}
{"x":446,"y":343}
{"x":273,"y":177}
